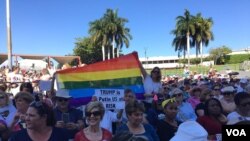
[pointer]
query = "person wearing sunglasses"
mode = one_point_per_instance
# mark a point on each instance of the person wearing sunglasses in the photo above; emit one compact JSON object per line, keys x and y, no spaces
{"x":94,"y":113}
{"x":152,"y":85}
{"x":40,"y":123}
{"x":217,"y":91}
{"x":67,"y":117}
{"x":186,"y":111}
{"x":242,"y":112}
{"x":227,"y":101}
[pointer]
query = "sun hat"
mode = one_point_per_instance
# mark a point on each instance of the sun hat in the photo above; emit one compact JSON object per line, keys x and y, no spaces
{"x":190,"y":131}
{"x":228,"y":89}
{"x":175,"y":91}
{"x":243,"y":80}
{"x":63,"y":93}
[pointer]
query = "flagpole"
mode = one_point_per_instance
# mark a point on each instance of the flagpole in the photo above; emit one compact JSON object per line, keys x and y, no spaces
{"x":9,"y":41}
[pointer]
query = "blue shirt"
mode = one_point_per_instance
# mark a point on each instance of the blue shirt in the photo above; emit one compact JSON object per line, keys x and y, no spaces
{"x":56,"y":135}
{"x":186,"y":112}
{"x":74,"y":116}
{"x":149,"y":133}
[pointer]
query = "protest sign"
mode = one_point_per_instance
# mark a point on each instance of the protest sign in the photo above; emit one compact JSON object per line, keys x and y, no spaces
{"x":111,"y":98}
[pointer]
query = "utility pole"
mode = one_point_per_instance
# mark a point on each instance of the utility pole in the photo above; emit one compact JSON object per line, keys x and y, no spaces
{"x":9,"y":41}
{"x":146,"y":60}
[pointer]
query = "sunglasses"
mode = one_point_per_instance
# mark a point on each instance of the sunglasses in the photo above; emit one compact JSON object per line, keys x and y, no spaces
{"x":63,"y":99}
{"x":95,"y":114}
{"x":216,"y":89}
{"x":156,"y":72}
{"x":245,"y":104}
{"x":227,"y":93}
{"x":177,"y":95}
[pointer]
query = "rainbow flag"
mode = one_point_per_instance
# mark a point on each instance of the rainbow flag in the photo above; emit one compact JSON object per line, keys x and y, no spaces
{"x":119,"y":73}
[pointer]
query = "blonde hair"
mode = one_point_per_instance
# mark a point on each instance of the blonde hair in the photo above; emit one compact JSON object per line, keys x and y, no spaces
{"x":95,"y":104}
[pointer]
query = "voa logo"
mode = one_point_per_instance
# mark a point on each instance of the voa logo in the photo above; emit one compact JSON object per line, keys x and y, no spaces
{"x":236,"y":132}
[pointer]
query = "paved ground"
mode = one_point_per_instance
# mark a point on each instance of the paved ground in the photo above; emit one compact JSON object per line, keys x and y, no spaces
{"x":242,"y":74}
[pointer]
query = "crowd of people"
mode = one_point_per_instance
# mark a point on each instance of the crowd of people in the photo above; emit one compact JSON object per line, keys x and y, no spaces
{"x":191,"y":107}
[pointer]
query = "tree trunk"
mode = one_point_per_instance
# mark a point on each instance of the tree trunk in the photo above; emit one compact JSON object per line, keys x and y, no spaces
{"x":188,"y":49}
{"x":201,"y":51}
{"x":113,"y":46}
{"x":197,"y":49}
{"x":103,"y":53}
{"x":118,"y":51}
{"x":108,"y":52}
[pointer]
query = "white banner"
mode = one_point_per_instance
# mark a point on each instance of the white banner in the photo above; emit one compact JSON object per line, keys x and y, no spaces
{"x":111,"y":98}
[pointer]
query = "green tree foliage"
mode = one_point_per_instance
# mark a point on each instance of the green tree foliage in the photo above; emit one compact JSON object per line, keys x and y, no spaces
{"x":191,"y":31}
{"x":89,"y":52}
{"x":184,"y":29}
{"x":110,"y":32}
{"x":203,"y":33}
{"x":237,"y":58}
{"x":219,"y":54}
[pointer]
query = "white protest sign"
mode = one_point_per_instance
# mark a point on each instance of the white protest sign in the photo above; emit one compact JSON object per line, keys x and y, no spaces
{"x":111,"y":98}
{"x":45,"y":85}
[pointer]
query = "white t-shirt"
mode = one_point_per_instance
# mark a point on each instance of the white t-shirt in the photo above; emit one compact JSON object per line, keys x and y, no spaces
{"x":15,"y":77}
{"x":107,"y":120}
{"x":11,"y":110}
{"x":151,"y":87}
{"x":235,"y":117}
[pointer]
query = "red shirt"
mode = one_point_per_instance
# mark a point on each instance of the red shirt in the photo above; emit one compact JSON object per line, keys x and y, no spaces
{"x":211,"y":125}
{"x":80,"y":136}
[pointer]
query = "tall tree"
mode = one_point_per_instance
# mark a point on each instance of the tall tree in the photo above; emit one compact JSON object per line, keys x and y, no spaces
{"x":122,"y":37}
{"x":185,"y":25}
{"x":180,"y":44}
{"x":203,"y":34}
{"x":88,"y":52}
{"x":117,"y":32}
{"x":98,"y":34}
{"x":110,"y":30}
{"x":218,"y":54}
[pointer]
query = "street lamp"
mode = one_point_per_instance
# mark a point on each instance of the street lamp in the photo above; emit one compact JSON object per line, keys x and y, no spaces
{"x":9,"y":41}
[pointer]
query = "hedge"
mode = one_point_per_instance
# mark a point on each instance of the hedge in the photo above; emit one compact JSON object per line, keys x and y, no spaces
{"x":237,"y":58}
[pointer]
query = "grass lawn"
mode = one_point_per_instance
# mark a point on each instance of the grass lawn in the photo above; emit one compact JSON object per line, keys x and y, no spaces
{"x":199,"y":69}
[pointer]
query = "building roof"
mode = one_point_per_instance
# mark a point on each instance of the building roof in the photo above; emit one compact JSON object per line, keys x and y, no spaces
{"x":59,"y":59}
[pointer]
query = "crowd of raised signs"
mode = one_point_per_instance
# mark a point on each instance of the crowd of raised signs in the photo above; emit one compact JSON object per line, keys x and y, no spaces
{"x":177,"y":108}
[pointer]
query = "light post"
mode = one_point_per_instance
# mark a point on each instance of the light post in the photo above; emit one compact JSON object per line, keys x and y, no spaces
{"x":9,"y":41}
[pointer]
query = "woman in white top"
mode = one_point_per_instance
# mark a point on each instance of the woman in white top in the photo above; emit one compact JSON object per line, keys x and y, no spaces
{"x":152,"y":85}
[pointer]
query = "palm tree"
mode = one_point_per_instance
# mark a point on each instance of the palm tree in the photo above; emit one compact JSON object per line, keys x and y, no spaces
{"x":98,"y":34}
{"x":109,"y":31}
{"x":203,"y":33}
{"x":122,"y":37}
{"x":180,"y":44}
{"x":185,"y":25}
{"x":117,"y":32}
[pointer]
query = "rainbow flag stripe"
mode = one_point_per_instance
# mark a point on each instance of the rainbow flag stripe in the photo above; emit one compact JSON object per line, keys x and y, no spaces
{"x":119,"y":73}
